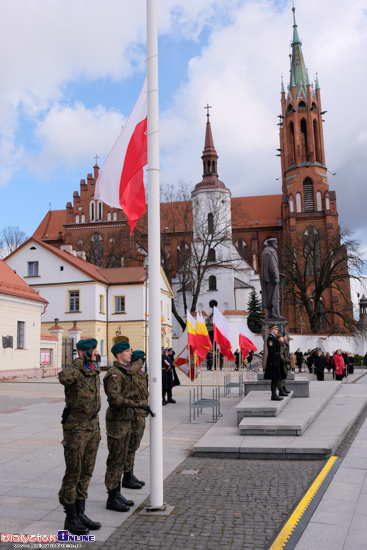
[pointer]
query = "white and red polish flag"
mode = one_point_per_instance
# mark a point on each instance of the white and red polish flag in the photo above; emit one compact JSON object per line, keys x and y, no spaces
{"x":121,"y":181}
{"x":245,"y":341}
{"x":222,"y":334}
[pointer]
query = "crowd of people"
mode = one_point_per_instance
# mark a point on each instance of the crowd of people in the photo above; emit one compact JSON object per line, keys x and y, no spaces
{"x":339,"y":362}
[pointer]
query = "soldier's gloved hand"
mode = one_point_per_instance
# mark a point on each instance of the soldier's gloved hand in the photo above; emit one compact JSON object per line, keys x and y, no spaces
{"x":145,"y":407}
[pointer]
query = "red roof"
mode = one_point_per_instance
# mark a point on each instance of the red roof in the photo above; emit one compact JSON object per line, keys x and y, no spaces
{"x":124,"y":275}
{"x":89,"y":269}
{"x":51,"y":226}
{"x":49,"y":337}
{"x":13,"y":285}
{"x":240,"y":312}
{"x":265,"y":209}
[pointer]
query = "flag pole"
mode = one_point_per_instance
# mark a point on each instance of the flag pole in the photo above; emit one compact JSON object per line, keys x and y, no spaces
{"x":155,"y":374}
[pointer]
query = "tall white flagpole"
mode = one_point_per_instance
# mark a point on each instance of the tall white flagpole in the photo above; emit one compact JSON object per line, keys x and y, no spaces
{"x":154,"y":253}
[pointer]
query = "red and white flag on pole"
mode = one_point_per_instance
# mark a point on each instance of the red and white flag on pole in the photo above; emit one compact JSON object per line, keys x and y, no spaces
{"x":222,"y":334}
{"x":186,"y":363}
{"x":121,"y":181}
{"x":245,"y":341}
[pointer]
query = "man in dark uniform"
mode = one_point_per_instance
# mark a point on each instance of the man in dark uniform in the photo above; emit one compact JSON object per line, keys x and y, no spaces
{"x":119,"y":388}
{"x":167,"y":379}
{"x":299,"y":356}
{"x":81,"y":435}
{"x":272,"y":370}
{"x":141,"y":394}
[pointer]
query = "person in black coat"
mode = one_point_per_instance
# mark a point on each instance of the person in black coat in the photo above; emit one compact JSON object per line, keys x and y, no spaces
{"x":319,"y":362}
{"x":273,"y":370}
{"x":167,"y":379}
{"x":209,"y":360}
{"x":299,"y":357}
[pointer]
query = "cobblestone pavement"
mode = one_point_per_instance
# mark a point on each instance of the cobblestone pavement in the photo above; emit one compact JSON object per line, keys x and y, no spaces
{"x":228,"y":504}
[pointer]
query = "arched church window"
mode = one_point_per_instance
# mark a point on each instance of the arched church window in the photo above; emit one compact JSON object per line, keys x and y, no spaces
{"x":114,"y":216}
{"x":308,"y":195}
{"x":317,"y":139}
{"x":83,"y":218}
{"x":291,"y":204}
{"x":290,"y":108}
{"x":299,"y":202}
{"x":211,"y":255}
{"x":77,"y":218}
{"x":108,"y":216}
{"x":92,"y":211}
{"x":96,"y":249}
{"x":212,"y":282}
{"x":99,"y":210}
{"x":242,"y":249}
{"x":292,"y":150}
{"x":304,"y":142}
{"x":122,"y":261}
{"x":318,"y":201}
{"x":311,"y":250}
{"x":302,"y":105}
{"x":327,"y":201}
{"x":210,"y":223}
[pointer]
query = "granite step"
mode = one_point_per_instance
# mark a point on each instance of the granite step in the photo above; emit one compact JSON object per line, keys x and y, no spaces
{"x":296,"y":417}
{"x":258,"y":403}
{"x":299,"y":386}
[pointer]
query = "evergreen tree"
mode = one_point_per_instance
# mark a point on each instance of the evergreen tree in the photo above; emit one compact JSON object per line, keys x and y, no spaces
{"x":255,"y":313}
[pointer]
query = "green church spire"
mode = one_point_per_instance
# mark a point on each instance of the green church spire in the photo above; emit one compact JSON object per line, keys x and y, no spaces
{"x":298,"y":69}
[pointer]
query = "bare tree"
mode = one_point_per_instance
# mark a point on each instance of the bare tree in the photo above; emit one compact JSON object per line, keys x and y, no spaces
{"x":192,"y":247}
{"x":319,"y":267}
{"x":11,"y":237}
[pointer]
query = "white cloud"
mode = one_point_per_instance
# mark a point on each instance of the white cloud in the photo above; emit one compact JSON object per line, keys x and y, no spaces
{"x":70,"y":134}
{"x":58,"y":43}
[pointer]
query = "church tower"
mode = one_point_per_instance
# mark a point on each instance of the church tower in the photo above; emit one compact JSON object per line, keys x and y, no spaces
{"x":308,"y":206}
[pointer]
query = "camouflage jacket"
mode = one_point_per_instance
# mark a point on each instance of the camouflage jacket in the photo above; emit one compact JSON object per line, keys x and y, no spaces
{"x":119,"y":388}
{"x":140,"y":381}
{"x":82,"y":387}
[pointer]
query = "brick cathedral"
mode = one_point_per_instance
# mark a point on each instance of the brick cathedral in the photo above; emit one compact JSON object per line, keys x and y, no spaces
{"x":304,"y":207}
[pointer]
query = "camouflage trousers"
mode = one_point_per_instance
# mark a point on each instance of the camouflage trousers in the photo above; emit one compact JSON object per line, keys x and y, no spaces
{"x":81,"y":442}
{"x":118,"y":436}
{"x":281,"y":383}
{"x":137,"y":432}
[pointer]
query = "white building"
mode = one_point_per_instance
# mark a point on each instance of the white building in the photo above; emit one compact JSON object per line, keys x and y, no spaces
{"x":88,"y":301}
{"x":20,"y":327}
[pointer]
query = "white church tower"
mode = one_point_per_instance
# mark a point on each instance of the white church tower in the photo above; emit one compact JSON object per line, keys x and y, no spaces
{"x":229,"y":279}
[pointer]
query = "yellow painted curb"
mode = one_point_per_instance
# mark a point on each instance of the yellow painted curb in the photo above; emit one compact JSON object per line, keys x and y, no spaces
{"x":291,"y":524}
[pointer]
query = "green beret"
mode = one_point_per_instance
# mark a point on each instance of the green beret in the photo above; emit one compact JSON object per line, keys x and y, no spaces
{"x":87,"y":343}
{"x":137,"y":354}
{"x":120,"y":346}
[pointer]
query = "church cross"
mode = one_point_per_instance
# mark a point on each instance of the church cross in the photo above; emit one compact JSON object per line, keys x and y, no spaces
{"x":207,"y":109}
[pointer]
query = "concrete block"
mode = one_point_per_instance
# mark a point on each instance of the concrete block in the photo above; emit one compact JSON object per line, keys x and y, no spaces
{"x":259,"y":404}
{"x":300,"y":386}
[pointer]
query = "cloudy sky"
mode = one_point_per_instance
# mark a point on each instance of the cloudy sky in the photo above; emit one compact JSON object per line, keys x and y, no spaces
{"x":72,"y":69}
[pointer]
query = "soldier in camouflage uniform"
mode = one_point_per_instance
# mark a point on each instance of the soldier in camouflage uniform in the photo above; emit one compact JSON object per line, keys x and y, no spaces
{"x":119,"y":388}
{"x":284,"y":365}
{"x":81,"y":435}
{"x":141,"y":394}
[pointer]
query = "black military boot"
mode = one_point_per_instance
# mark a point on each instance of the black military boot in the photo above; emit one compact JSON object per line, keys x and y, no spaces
{"x":274,"y":396}
{"x":115,"y":503}
{"x":282,"y":393}
{"x":286,"y":390}
{"x":80,"y":508}
{"x":72,"y":521}
{"x":128,"y":482}
{"x":142,"y":483}
{"x":123,"y":499}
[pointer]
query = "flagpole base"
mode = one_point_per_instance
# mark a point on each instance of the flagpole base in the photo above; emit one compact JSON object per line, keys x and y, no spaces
{"x":164,"y":510}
